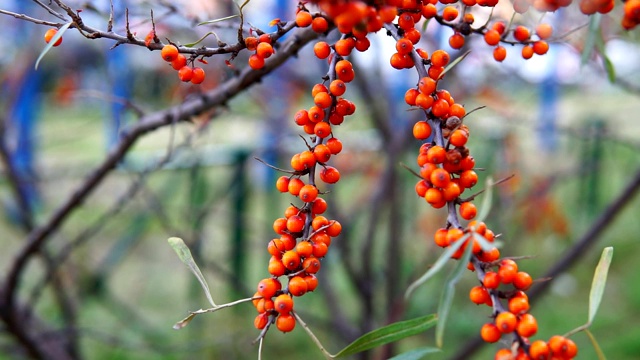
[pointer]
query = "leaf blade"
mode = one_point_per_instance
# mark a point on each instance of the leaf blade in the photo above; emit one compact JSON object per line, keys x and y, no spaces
{"x":416,"y":354}
{"x":185,"y":256}
{"x":599,"y":282}
{"x":390,"y":333}
{"x":53,"y":40}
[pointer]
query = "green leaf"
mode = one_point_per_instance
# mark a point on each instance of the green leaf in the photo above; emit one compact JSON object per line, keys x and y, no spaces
{"x":485,"y":207}
{"x":599,"y":282}
{"x":54,"y":39}
{"x":606,"y":62}
{"x":446,"y":299}
{"x":454,"y":63}
{"x":217,"y":20}
{"x":439,"y":264}
{"x":596,"y":347}
{"x":415,"y":354}
{"x":185,"y":256}
{"x":390,"y":333}
{"x":484,"y":243}
{"x":200,"y":40}
{"x":594,"y":32}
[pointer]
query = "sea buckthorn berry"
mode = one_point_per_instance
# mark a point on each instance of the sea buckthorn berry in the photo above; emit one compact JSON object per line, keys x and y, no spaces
{"x":322,"y":129}
{"x":291,"y":259}
{"x":436,"y":154}
{"x":421,"y":130}
{"x":256,"y":62}
{"x":440,"y":58}
{"x":251,"y":43}
{"x":337,"y":87}
{"x":308,"y":193}
{"x":303,"y":19}
{"x":301,"y":117}
{"x":179,"y":62}
{"x":506,"y":322}
{"x":522,"y":281}
{"x":499,"y":53}
{"x":521,"y":33}
{"x":319,"y":249}
{"x":429,"y":10}
{"x":318,"y":222}
{"x":344,"y":47}
{"x":544,"y":31}
{"x":283,"y":303}
{"x":458,"y":137}
{"x":334,"y":229}
{"x":440,"y":178}
{"x":468,"y":179}
{"x":344,"y":70}
{"x":169,"y":53}
{"x":334,"y":145}
{"x":468,"y":210}
{"x":318,"y":88}
{"x":518,"y":305}
{"x":507,"y":273}
{"x":185,"y":74}
{"x":288,"y":241}
{"x":295,"y":224}
{"x":362,"y":44}
{"x":320,"y":24}
{"x":261,"y":321}
{"x":479,"y":295}
{"x":440,"y":108}
{"x":329,"y":175}
{"x":410,"y":97}
{"x":527,"y":52}
{"x":458,"y":111}
{"x":404,"y":46}
{"x":276,"y":267}
{"x":454,"y":234}
{"x":283,"y":184}
{"x":504,"y":354}
{"x":500,"y":27}
{"x":285,"y":322}
{"x":490,"y":333}
{"x":449,"y":13}
{"x":570,"y":349}
{"x":489,"y":256}
{"x":276,"y":248}
{"x":440,"y":237}
{"x":322,"y":50}
{"x":49,"y":34}
{"x":434,"y":197}
{"x":491,"y":280}
{"x":308,"y":159}
{"x":521,"y":6}
{"x":318,"y":206}
{"x":198,"y":75}
{"x":322,"y":237}
{"x":316,"y":114}
{"x":312,"y":282}
{"x":304,"y":248}
{"x":540,"y":47}
{"x":295,"y":185}
{"x":311,"y":265}
{"x":527,"y":326}
{"x":456,"y":41}
{"x":322,"y":100}
{"x":424,"y":101}
{"x":268,"y":287}
{"x":405,"y":21}
{"x":322,"y":153}
{"x":297,"y":286}
{"x":539,"y":350}
{"x":451,"y":191}
{"x":427,"y":85}
{"x":492,"y":37}
{"x":280,"y":225}
{"x":468,"y":17}
{"x":264,"y":50}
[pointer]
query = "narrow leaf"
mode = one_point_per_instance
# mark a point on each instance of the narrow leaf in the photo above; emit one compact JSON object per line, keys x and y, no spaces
{"x":217,"y":20}
{"x":606,"y":62}
{"x":415,"y":354}
{"x":390,"y":333}
{"x":184,"y":322}
{"x":599,"y":282}
{"x":446,"y":299}
{"x":596,"y":347}
{"x":487,"y":197}
{"x":484,"y":243}
{"x":54,"y":39}
{"x":200,"y":40}
{"x":439,"y":264}
{"x":185,"y":256}
{"x":594,"y":30}
{"x":454,"y":63}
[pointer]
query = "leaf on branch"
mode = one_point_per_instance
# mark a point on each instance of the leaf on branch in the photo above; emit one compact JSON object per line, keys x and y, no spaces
{"x":595,"y":345}
{"x":439,"y":264}
{"x":184,"y":322}
{"x":446,"y":299}
{"x":390,"y":333}
{"x":202,"y":38}
{"x":415,"y":354}
{"x":599,"y":282}
{"x":606,"y":62}
{"x":485,"y":207}
{"x":53,"y":40}
{"x":454,"y":63}
{"x":217,"y":20}
{"x":185,"y":256}
{"x":590,"y":43}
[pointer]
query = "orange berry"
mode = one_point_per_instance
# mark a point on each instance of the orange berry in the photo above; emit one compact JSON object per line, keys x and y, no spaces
{"x":468,"y":210}
{"x":458,"y":137}
{"x":518,"y":305}
{"x":318,"y":206}
{"x":410,"y":96}
{"x":344,"y":47}
{"x":451,"y":191}
{"x":268,"y":287}
{"x":297,"y":286}
{"x":285,"y":322}
{"x":424,"y":101}
{"x":251,"y":43}
{"x":479,"y":295}
{"x":334,"y":145}
{"x":522,"y":281}
{"x":198,"y":75}
{"x":320,"y":24}
{"x":179,"y":62}
{"x":276,"y":267}
{"x":440,"y":108}
{"x":539,"y":350}
{"x":440,"y":58}
{"x":312,"y":282}
{"x":322,"y":129}
{"x":427,"y":85}
{"x":322,"y":50}
{"x":521,"y":33}
{"x":571,"y":349}
{"x":492,"y":37}
{"x":295,"y":185}
{"x":322,"y":153}
{"x":311,"y":265}
{"x":291,"y":260}
{"x":49,"y":34}
{"x":337,"y":87}
{"x":449,"y":13}
{"x":527,"y":52}
{"x":506,"y":322}
{"x":308,"y":193}
{"x":334,"y":229}
{"x":329,"y":175}
{"x":283,"y":303}
{"x":256,"y":62}
{"x":507,"y":273}
{"x":454,"y":234}
{"x":459,"y":111}
{"x":280,"y":225}
{"x":429,"y":10}
{"x":440,"y":237}
{"x":468,"y":179}
{"x":316,"y":114}
{"x":185,"y":74}
{"x":504,"y":354}
{"x":500,"y":27}
{"x":169,"y":53}
{"x":275,"y":248}
{"x":499,"y":53}
{"x":456,"y":41}
{"x":544,"y":31}
{"x":261,"y":321}
{"x":264,"y":50}
{"x":421,"y":130}
{"x":304,"y":248}
{"x":404,"y":46}
{"x":282,"y":184}
{"x":303,"y":19}
{"x":319,"y":249}
{"x":540,"y":47}
{"x":490,"y":333}
{"x":436,"y":154}
{"x":527,"y":326}
{"x":322,"y":100}
{"x":440,"y":178}
{"x":491,"y":280}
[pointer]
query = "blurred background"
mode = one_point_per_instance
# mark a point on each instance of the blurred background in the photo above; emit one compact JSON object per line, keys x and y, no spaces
{"x":568,"y":135}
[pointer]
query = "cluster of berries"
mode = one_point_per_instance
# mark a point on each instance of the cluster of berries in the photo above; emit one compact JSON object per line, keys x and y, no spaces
{"x":171,"y":54}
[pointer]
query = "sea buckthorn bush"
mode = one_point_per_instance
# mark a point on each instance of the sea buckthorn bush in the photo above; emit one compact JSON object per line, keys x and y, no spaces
{"x":307,"y":232}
